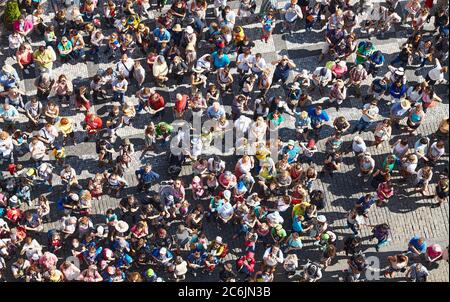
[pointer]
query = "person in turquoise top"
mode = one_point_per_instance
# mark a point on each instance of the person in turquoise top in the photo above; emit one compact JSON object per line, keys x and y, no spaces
{"x":220,"y":59}
{"x":275,"y":119}
{"x":364,"y":51}
{"x":389,"y":162}
{"x":292,"y":151}
{"x":65,"y":48}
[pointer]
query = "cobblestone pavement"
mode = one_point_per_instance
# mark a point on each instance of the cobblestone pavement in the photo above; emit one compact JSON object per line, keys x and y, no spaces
{"x":407,"y":213}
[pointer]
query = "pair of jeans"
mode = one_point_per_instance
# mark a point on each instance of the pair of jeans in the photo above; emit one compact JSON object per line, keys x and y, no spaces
{"x":352,"y":227}
{"x":119,"y":97}
{"x":362,"y":125}
{"x":399,"y":60}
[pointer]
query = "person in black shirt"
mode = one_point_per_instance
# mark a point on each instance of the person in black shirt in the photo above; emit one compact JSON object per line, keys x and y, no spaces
{"x":227,"y":274}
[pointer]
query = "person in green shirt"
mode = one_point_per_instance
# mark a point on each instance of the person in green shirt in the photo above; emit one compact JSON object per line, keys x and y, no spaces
{"x":365,"y":49}
{"x":275,"y":119}
{"x":163,"y":132}
{"x":278,"y":233}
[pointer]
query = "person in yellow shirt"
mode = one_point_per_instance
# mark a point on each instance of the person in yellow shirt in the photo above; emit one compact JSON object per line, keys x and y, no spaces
{"x":44,"y":59}
{"x":59,"y":154}
{"x":238,"y":34}
{"x":65,"y":126}
{"x":300,"y":209}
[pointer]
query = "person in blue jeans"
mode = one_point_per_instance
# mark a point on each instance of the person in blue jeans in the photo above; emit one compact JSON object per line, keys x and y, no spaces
{"x":120,"y":86}
{"x":370,"y":113}
{"x":381,"y":232}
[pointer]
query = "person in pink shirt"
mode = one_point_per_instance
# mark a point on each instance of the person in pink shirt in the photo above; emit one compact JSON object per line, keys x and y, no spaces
{"x":339,"y":69}
{"x":22,"y":26}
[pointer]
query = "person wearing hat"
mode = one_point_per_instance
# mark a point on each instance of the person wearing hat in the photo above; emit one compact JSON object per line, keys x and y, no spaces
{"x":399,"y":111}
{"x":227,"y":180}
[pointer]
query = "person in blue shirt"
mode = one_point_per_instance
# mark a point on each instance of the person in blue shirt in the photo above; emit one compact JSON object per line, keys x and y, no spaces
{"x":375,"y":62}
{"x":162,"y":256}
{"x":220,"y":59}
{"x":215,"y":111}
{"x":417,"y":246}
{"x":196,"y":260}
{"x":292,"y":151}
{"x":318,"y":118}
{"x":9,"y":77}
{"x":397,"y":90}
{"x":146,"y":177}
{"x":282,"y":69}
{"x":297,"y":224}
{"x":161,"y":34}
{"x":378,"y":88}
{"x":364,"y":204}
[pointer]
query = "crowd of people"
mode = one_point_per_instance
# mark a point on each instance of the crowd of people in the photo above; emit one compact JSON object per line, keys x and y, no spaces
{"x":169,"y":226}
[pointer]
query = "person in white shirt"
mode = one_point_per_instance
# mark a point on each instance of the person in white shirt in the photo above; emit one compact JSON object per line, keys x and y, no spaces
{"x":48,"y":134}
{"x":242,"y":125}
{"x":292,"y":12}
{"x":204,"y":62}
{"x":125,"y":66}
{"x":6,"y":146}
{"x":436,"y":75}
{"x":219,"y":6}
{"x":225,"y":211}
{"x":230,"y":18}
{"x":139,"y":73}
{"x":421,"y":148}
{"x":15,"y":40}
{"x":37,"y":149}
{"x":69,"y":177}
{"x":358,"y":145}
{"x":244,"y":61}
{"x":70,"y":271}
{"x":31,"y":247}
{"x":258,"y":64}
{"x":273,"y":256}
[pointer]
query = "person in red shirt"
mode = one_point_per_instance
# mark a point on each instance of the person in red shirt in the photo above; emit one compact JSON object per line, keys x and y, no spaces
{"x":155,"y":106}
{"x":181,"y":102}
{"x":93,"y":125}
